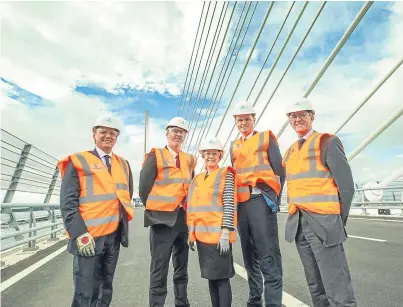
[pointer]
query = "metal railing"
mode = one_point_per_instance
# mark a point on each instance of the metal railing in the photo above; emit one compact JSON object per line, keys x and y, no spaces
{"x":391,"y":199}
{"x":29,"y":175}
{"x":50,"y":220}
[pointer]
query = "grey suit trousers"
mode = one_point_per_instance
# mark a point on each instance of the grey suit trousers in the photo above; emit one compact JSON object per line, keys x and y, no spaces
{"x":326,"y":269}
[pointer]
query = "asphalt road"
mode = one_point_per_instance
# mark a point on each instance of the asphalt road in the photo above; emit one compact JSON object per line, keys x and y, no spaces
{"x":376,"y":267}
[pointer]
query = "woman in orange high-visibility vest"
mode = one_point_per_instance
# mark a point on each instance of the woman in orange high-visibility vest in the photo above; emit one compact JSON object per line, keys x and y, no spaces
{"x":212,"y":219}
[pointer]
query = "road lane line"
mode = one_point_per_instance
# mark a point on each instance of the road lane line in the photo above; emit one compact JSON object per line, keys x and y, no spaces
{"x":375,"y":219}
{"x":288,"y":300}
{"x":365,"y":238}
{"x":17,"y":277}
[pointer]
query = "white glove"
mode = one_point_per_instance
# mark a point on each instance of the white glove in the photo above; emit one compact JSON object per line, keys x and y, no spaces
{"x":86,"y":245}
{"x":223,"y":244}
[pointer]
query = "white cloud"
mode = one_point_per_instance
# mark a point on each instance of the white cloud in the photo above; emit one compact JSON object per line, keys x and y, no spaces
{"x":48,"y":48}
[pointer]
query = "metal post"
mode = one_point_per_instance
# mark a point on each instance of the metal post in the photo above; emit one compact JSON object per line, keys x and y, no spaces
{"x":375,"y":134}
{"x":32,"y":224}
{"x":53,"y":236}
{"x":12,"y":223}
{"x":51,"y":186}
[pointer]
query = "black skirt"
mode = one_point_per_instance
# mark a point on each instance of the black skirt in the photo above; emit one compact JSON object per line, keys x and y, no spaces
{"x":212,"y":265}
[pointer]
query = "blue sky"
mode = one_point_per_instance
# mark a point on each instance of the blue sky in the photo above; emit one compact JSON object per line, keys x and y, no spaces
{"x":129,"y":64}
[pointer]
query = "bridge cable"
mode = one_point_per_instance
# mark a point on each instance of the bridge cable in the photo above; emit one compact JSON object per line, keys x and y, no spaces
{"x":194,"y":63}
{"x":206,"y":68}
{"x":333,"y":54}
{"x":182,"y":104}
{"x":247,"y":62}
{"x":388,"y":75}
{"x":211,"y":78}
{"x":226,"y":69}
{"x":288,"y":66}
{"x":230,"y":53}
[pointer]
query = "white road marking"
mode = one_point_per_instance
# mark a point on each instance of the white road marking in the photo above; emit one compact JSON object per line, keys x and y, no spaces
{"x":365,"y":238}
{"x":288,"y":300}
{"x":375,"y":219}
{"x":17,"y":277}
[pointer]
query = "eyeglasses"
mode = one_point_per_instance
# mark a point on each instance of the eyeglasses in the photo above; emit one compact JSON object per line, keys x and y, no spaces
{"x":301,"y":116}
{"x":113,"y":134}
{"x":178,"y":131}
{"x":212,"y":154}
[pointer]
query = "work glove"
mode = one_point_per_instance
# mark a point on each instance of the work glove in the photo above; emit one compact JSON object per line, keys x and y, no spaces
{"x":223,"y":244}
{"x":86,"y":245}
{"x":192,"y":245}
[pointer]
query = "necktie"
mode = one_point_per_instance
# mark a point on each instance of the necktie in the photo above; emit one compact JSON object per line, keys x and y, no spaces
{"x":178,"y":164}
{"x":108,"y":165}
{"x":300,"y":142}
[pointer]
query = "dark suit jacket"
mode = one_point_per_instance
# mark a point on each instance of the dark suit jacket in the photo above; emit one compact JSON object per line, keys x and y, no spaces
{"x":329,"y":227}
{"x":74,"y":223}
{"x":276,"y":164}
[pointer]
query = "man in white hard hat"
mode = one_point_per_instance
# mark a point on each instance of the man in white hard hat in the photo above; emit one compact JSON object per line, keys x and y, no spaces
{"x":260,"y":176}
{"x":163,"y":187}
{"x":96,"y":213}
{"x":320,"y":189}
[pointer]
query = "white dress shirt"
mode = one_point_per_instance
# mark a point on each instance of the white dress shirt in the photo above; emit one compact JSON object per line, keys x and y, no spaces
{"x":306,"y":136}
{"x":102,"y":155}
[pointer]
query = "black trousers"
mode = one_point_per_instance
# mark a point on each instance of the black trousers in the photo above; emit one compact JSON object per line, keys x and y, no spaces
{"x":220,"y":292}
{"x":164,"y":242}
{"x":258,"y":232}
{"x":93,"y":276}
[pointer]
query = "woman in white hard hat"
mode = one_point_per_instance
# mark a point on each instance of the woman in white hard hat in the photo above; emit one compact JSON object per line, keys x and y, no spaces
{"x":211,"y":219}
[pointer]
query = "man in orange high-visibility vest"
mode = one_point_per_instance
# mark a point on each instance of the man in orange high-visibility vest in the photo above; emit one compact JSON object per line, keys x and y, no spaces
{"x":95,"y":202}
{"x":163,"y":187}
{"x":260,"y":177}
{"x":320,"y":189}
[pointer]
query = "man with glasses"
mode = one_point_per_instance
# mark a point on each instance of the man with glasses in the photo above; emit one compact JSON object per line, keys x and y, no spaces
{"x":163,"y":187}
{"x":95,"y":202}
{"x":260,"y":179}
{"x":320,"y":190}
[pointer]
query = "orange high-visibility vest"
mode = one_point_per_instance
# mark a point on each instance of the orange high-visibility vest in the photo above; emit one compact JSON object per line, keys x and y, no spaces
{"x":171,"y":184}
{"x":100,"y":191}
{"x":205,"y":207}
{"x":310,"y":185}
{"x":252,"y":165}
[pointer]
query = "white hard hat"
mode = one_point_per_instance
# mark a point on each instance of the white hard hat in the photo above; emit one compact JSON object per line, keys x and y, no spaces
{"x":178,"y":122}
{"x":301,"y":105}
{"x":107,"y":120}
{"x":211,"y":143}
{"x":244,"y":108}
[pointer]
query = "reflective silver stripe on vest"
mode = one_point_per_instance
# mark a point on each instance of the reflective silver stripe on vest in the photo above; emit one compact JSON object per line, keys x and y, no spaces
{"x":201,"y":228}
{"x":172,"y":181}
{"x":121,"y":186}
{"x":96,"y":198}
{"x":262,"y":166}
{"x":312,"y":172}
{"x":169,"y":199}
{"x":166,"y":180}
{"x":89,"y":181}
{"x":102,"y":220}
{"x":214,"y":206}
{"x":314,"y":199}
{"x":125,"y":168}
